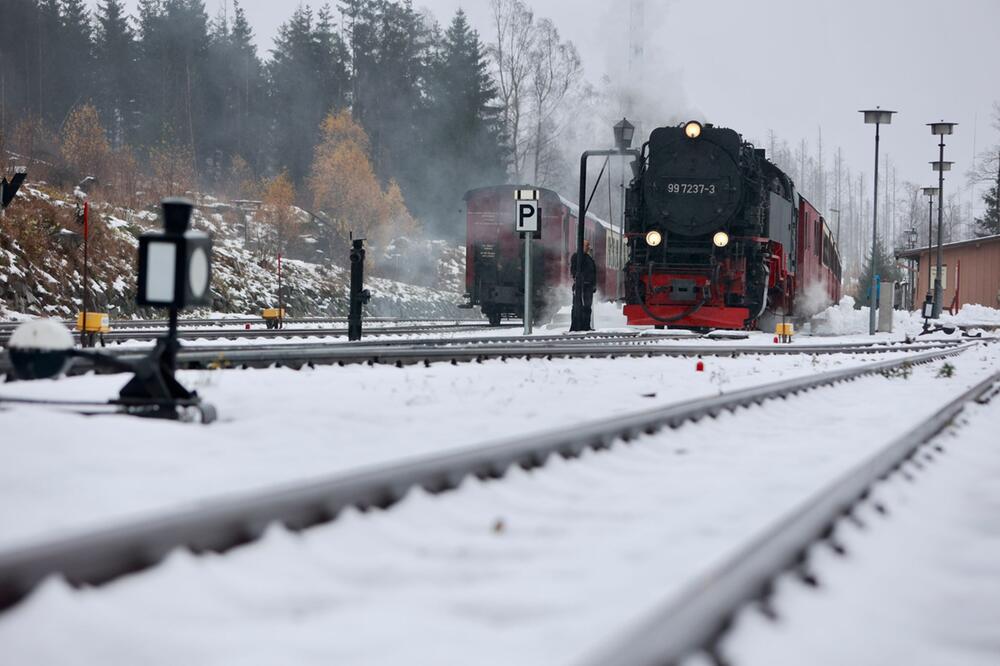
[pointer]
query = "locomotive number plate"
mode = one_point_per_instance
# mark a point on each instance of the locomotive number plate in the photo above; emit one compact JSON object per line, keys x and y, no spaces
{"x":703,"y":189}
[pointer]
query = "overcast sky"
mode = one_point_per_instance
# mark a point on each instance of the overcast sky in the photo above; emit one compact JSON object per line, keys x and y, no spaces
{"x":788,"y":65}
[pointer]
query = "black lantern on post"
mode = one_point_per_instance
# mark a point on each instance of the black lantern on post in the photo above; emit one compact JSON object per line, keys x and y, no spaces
{"x":175,"y":271}
{"x":624,"y":132}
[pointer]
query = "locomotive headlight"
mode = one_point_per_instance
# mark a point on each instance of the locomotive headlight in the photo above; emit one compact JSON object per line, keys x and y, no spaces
{"x":693,"y":129}
{"x":721,"y":239}
{"x":654,"y":238}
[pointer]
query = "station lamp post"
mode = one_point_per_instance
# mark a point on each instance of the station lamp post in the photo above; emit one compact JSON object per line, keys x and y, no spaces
{"x":940,"y":129}
{"x":930,"y":193}
{"x":875,"y":117}
{"x":624,"y":132}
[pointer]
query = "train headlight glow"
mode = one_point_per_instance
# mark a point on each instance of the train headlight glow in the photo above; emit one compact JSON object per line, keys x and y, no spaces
{"x":721,"y":239}
{"x":654,"y":238}
{"x":693,"y":129}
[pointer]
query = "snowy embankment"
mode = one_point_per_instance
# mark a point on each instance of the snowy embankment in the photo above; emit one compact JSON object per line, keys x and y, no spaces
{"x":540,"y":567}
{"x":43,"y":277}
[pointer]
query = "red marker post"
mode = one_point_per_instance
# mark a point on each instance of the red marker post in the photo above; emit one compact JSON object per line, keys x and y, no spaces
{"x":86,"y":285}
{"x":281,"y":312}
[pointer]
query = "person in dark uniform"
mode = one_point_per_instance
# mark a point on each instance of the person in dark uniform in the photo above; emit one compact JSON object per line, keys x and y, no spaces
{"x":584,"y":274}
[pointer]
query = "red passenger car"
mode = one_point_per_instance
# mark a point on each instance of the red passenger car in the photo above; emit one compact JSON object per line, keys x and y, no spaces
{"x":494,"y":273}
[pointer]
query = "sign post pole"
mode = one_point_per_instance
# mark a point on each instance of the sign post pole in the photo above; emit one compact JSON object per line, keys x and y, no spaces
{"x":527,"y":284}
{"x":527,"y":222}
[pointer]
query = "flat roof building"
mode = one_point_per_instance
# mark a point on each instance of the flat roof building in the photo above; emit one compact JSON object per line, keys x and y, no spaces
{"x":970,"y":269}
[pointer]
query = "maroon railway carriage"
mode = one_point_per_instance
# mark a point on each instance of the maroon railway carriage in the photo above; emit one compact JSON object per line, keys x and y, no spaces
{"x":494,"y":265}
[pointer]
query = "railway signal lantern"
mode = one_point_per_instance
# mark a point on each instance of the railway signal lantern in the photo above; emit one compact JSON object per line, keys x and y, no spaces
{"x":174,"y":271}
{"x":175,"y":268}
{"x":624,"y":132}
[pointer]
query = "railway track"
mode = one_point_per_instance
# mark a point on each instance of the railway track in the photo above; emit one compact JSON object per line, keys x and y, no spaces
{"x":8,"y":326}
{"x":149,"y":335}
{"x":694,"y":621}
{"x":103,"y":555}
{"x":466,"y":350}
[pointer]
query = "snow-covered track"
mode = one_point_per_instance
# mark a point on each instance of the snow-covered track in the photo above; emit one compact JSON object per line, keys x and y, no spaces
{"x":149,"y":335}
{"x":230,"y":321}
{"x":248,"y":357}
{"x":445,"y":350}
{"x":99,"y":556}
{"x":696,"y":619}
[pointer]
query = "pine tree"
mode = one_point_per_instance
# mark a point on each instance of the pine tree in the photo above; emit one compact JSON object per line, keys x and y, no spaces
{"x":989,"y":223}
{"x":173,"y":44}
{"x":74,"y":54}
{"x":885,"y":268}
{"x":467,"y":141}
{"x":115,"y":79}
{"x":235,"y":90}
{"x":308,"y":77}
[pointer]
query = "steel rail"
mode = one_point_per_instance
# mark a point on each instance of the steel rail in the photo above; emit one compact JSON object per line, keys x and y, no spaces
{"x":410,"y":352}
{"x":81,"y":366}
{"x":147,"y":335}
{"x":694,"y":620}
{"x":216,"y":526}
{"x":242,"y":321}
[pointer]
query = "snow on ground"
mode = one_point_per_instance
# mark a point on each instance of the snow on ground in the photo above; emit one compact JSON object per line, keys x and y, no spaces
{"x":844,"y":319}
{"x":920,"y":586}
{"x":282,"y":425}
{"x":539,"y":568}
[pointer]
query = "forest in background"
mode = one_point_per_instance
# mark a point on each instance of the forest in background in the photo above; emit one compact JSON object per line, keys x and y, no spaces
{"x":367,"y":113}
{"x":367,"y":110}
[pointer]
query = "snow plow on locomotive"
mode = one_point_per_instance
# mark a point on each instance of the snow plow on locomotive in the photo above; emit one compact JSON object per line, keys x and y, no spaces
{"x":719,"y":238}
{"x":494,"y":275}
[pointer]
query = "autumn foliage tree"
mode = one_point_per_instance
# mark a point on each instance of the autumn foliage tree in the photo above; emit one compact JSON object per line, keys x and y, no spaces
{"x":344,"y":186}
{"x":278,"y":210}
{"x":84,"y":144}
{"x":172,"y":169}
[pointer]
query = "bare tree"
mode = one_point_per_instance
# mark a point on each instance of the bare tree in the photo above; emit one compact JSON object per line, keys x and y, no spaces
{"x":556,"y":70}
{"x":511,"y":51}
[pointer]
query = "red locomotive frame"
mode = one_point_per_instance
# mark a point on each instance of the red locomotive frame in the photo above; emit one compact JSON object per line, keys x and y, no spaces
{"x":816,"y":269}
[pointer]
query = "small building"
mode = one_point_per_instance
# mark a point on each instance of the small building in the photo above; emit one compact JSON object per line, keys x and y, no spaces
{"x":970,"y":267}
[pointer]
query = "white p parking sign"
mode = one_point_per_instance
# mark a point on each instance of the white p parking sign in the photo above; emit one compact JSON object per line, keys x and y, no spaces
{"x":528,"y":212}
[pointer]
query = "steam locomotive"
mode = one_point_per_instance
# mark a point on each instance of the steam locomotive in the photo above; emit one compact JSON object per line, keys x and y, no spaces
{"x":718,"y":237}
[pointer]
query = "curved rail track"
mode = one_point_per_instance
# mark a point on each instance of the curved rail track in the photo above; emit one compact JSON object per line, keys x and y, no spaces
{"x":100,"y":556}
